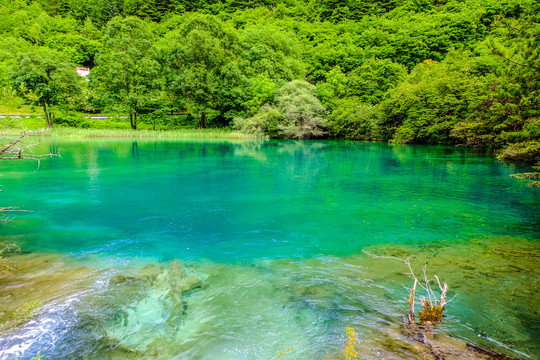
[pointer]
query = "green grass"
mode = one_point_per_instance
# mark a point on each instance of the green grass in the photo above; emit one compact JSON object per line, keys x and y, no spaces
{"x":19,"y":110}
{"x":76,"y":133}
{"x":8,"y":124}
{"x":119,"y":129}
{"x":66,"y":132}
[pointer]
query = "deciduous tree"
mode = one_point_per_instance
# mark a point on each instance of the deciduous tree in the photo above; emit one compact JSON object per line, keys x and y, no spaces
{"x":127,"y":69}
{"x":47,"y":78}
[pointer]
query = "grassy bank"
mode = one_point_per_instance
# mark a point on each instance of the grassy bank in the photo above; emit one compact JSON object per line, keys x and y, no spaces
{"x":112,"y":128}
{"x":75,"y":133}
{"x":165,"y":134}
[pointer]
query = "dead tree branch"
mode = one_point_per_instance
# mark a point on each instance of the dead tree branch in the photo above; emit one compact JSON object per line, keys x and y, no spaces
{"x":433,"y":306}
{"x":13,"y":150}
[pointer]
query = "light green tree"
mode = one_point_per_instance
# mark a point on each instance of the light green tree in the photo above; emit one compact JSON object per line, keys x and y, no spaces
{"x":296,"y":113}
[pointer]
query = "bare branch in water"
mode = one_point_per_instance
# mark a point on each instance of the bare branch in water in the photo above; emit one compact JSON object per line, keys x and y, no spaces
{"x":433,"y":306}
{"x":13,"y":151}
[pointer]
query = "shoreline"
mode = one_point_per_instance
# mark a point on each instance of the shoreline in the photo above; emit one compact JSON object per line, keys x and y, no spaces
{"x":77,"y":133}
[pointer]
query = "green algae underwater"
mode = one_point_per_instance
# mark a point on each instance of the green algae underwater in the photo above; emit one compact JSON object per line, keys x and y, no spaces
{"x":239,"y":249}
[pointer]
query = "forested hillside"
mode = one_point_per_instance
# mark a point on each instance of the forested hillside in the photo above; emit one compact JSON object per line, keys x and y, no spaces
{"x":415,"y":71}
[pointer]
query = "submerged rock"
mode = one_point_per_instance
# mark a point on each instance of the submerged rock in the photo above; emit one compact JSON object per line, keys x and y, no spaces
{"x":176,"y":280}
{"x":156,"y":315}
{"x":115,"y":350}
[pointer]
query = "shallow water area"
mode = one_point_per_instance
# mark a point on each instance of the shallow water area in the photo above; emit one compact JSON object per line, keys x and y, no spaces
{"x":241,"y":249}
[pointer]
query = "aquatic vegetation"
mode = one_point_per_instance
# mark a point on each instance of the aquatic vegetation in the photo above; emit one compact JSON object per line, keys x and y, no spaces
{"x":26,"y":312}
{"x":6,"y":248}
{"x":284,"y":352}
{"x":533,"y":177}
{"x":493,"y":278}
{"x":350,"y":352}
{"x":36,"y":279}
{"x":430,"y":314}
{"x":199,"y":309}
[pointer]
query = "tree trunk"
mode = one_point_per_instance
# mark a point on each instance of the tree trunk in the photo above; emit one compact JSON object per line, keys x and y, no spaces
{"x":202,"y":122}
{"x":49,"y":124}
{"x":133,"y":120}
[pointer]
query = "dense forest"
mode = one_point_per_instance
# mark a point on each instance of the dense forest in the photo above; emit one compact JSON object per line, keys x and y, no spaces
{"x":463,"y":72}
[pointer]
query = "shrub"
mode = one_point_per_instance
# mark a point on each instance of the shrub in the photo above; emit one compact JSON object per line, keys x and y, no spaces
{"x":296,"y":113}
{"x":354,"y":120}
{"x":72,"y":119}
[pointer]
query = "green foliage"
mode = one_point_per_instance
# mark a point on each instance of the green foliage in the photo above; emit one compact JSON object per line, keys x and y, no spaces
{"x":506,"y":117}
{"x":203,"y":72}
{"x":77,"y":48}
{"x":354,"y":120}
{"x":302,"y":111}
{"x":261,"y":91}
{"x":370,"y":81}
{"x":267,"y":48}
{"x":10,"y":122}
{"x":127,"y":68}
{"x":264,"y":123}
{"x":428,"y":104}
{"x":45,"y":77}
{"x":526,"y":151}
{"x":71,"y":119}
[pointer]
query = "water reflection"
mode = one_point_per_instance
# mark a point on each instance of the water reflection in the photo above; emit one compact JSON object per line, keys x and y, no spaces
{"x":134,"y":149}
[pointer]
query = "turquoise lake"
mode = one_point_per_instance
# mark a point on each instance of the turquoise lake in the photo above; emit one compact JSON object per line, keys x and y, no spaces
{"x":239,"y":249}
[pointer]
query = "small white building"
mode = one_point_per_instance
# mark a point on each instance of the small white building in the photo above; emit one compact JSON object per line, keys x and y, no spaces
{"x":83,"y":71}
